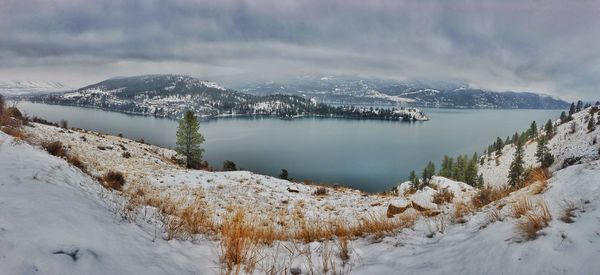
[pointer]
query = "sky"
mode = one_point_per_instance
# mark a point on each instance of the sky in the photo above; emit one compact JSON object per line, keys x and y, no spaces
{"x":549,"y":47}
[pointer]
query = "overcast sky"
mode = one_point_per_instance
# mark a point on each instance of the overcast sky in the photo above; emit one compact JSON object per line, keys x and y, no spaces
{"x":551,"y":47}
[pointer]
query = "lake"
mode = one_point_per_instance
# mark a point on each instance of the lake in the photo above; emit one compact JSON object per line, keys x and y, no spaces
{"x":369,"y":155}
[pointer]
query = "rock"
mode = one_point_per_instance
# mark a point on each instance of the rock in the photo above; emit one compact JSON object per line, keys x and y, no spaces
{"x":295,"y":270}
{"x":571,"y":161}
{"x":293,"y":189}
{"x":395,"y":210}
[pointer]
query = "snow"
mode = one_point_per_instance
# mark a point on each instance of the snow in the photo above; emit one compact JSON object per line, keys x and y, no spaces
{"x":50,"y":208}
{"x":24,"y":87}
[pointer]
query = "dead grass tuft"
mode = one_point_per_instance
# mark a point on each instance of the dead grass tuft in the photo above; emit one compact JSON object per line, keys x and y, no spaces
{"x":114,"y":180}
{"x":16,"y":132}
{"x":488,"y":195}
{"x":534,"y":221}
{"x":237,"y":244}
{"x":54,"y":148}
{"x":521,"y":207}
{"x":568,"y":209}
{"x":443,"y":196}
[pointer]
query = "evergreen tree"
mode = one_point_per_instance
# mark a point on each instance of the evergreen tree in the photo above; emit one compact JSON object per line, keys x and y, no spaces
{"x":563,"y":117}
{"x":591,"y":124}
{"x":515,"y":138}
{"x":507,"y":141}
{"x":428,"y":173}
{"x":284,"y":174}
{"x":414,"y":180}
{"x":189,"y":139}
{"x":542,"y":153}
{"x":470,"y":172}
{"x":579,"y":106}
{"x":229,"y":165}
{"x":572,"y":110}
{"x":533,"y":131}
{"x":480,"y":181}
{"x":2,"y":104}
{"x":515,"y":174}
{"x":549,"y":129}
{"x":458,"y":170}
{"x":446,"y":170}
{"x":499,"y":146}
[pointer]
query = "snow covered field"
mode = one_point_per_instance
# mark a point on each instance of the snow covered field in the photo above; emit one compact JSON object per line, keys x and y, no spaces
{"x":56,"y":219}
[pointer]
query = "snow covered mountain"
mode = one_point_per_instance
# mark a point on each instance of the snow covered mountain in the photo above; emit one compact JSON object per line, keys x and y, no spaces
{"x":355,"y":90}
{"x":171,"y":95}
{"x":15,"y":87}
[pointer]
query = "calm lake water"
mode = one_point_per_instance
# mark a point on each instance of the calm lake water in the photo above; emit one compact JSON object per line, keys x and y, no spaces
{"x":365,"y":154}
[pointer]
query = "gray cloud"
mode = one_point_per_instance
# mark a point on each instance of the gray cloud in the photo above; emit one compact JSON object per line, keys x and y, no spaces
{"x":544,"y":46}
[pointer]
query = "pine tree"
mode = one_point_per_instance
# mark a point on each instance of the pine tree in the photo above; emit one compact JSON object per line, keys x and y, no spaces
{"x":579,"y":106}
{"x":563,"y":117}
{"x":458,"y":171}
{"x":549,"y":129}
{"x":499,"y":146}
{"x":542,"y":153}
{"x":2,"y":104}
{"x":414,"y":180}
{"x":428,"y":173}
{"x":446,"y":170}
{"x":591,"y":124}
{"x":515,"y":174}
{"x":284,"y":174}
{"x":515,"y":138}
{"x":189,"y":139}
{"x":480,"y":181}
{"x":470,"y":173}
{"x":572,"y":110}
{"x":533,"y":131}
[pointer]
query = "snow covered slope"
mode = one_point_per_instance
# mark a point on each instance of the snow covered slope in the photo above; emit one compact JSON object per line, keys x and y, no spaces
{"x":56,"y":220}
{"x":15,"y":87}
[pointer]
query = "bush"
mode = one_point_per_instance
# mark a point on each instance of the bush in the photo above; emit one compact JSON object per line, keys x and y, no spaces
{"x":64,"y":124}
{"x":114,"y":180}
{"x":55,"y":148}
{"x":488,"y":195}
{"x":75,"y":161}
{"x":443,"y":196}
{"x":284,"y":174}
{"x":321,"y":191}
{"x":126,"y":155}
{"x":14,"y":131}
{"x":229,"y":165}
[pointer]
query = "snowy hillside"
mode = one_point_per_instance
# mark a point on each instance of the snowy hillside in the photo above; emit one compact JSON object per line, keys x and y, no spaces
{"x":168,"y":219}
{"x":16,"y":87}
{"x":171,"y":95}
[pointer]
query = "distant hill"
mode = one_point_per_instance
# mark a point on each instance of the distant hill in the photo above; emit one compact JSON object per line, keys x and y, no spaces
{"x":354,"y":90}
{"x":17,"y":87}
{"x":171,"y":95}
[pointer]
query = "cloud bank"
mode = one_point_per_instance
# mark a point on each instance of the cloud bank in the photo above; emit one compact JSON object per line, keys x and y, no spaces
{"x":542,"y":46}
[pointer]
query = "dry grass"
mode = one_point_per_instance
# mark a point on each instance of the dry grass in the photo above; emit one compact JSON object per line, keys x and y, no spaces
{"x":16,"y":132}
{"x":568,"y":209}
{"x":488,"y":195}
{"x":237,"y":244}
{"x":75,"y":161}
{"x":521,"y":207}
{"x":534,"y":221}
{"x":461,"y":209}
{"x":537,"y":180}
{"x":55,"y":148}
{"x":443,"y":196}
{"x":114,"y":180}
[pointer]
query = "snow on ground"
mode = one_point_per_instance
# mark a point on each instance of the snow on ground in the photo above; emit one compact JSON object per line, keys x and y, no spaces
{"x":563,"y":145}
{"x":56,"y":220}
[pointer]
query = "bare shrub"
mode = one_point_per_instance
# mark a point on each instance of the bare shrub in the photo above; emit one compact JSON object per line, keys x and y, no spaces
{"x":55,"y":148}
{"x":443,"y":196}
{"x":461,"y":209}
{"x":114,"y":180}
{"x":321,"y":191}
{"x":64,"y":124}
